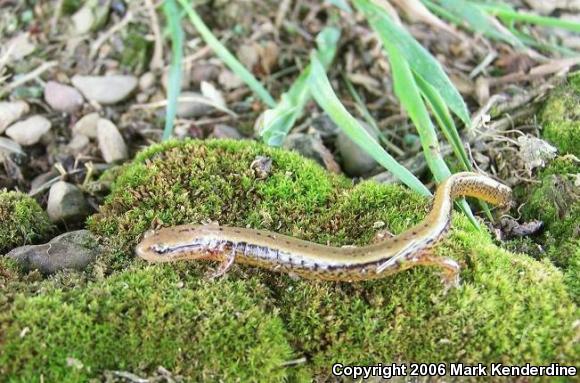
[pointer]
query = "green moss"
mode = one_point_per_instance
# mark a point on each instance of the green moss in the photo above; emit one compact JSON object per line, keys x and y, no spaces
{"x":573,"y":272}
{"x":509,"y":308}
{"x":556,"y":202}
{"x":23,"y":221}
{"x":137,"y":50}
{"x":71,"y":6}
{"x":560,"y":117}
{"x":141,"y":319}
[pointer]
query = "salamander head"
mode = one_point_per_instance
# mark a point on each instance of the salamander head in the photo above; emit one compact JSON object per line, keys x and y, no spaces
{"x":175,"y":243}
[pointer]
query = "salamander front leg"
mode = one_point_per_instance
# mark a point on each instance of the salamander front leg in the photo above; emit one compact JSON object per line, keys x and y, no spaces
{"x":224,"y":266}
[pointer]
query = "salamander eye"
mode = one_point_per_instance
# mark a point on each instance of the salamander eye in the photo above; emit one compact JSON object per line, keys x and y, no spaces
{"x":149,"y":233}
{"x":160,"y":248}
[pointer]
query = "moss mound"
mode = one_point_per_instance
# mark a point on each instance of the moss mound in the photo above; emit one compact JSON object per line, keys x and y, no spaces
{"x":556,"y":201}
{"x":141,"y":319}
{"x":560,"y":117}
{"x":23,"y":221}
{"x":510,"y":308}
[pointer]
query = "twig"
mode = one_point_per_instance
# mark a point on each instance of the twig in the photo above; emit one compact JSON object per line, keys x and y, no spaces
{"x":198,"y":55}
{"x":191,"y":98}
{"x":108,"y":34}
{"x":157,"y":59}
{"x":540,"y":71}
{"x":282,"y":12}
{"x":56,"y":15}
{"x":29,"y":76}
{"x":4,"y":59}
{"x":484,"y":64}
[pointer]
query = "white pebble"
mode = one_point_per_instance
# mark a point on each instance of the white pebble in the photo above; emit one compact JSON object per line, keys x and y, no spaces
{"x":146,"y":81}
{"x":83,"y":20}
{"x":10,"y":112}
{"x":78,"y":143}
{"x":111,"y":142}
{"x":29,"y":131}
{"x":62,"y":98}
{"x":106,"y":90}
{"x":87,"y":125}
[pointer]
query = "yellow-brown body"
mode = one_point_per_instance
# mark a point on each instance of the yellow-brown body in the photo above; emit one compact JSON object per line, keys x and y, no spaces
{"x":311,"y":260}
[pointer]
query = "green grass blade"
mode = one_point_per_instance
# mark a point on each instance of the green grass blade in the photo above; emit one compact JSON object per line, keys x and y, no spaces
{"x":420,"y":60}
{"x":477,"y":20}
{"x":342,"y":5}
{"x":408,"y":93}
{"x":543,"y":46}
{"x":228,"y":58}
{"x":366,"y":114}
{"x":509,"y":15}
{"x":440,"y":11}
{"x":274,"y":124}
{"x":444,"y":120}
{"x":174,"y":81}
{"x":407,"y":90}
{"x":322,"y":92}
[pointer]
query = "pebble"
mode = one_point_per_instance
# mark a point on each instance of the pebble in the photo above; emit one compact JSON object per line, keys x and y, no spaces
{"x":19,"y":47}
{"x":106,"y":90}
{"x":311,"y":146}
{"x":29,"y":131}
{"x":204,"y":72}
{"x":192,"y":108}
{"x":8,"y":146}
{"x":66,"y":203}
{"x":185,"y":78}
{"x":43,"y":181}
{"x":78,"y":143}
{"x":262,"y":167}
{"x":83,"y":20}
{"x":543,"y":7}
{"x":10,"y":112}
{"x":146,"y":81}
{"x":355,"y":161}
{"x":248,"y":55}
{"x":229,"y":80}
{"x":224,"y":131}
{"x":87,"y":125}
{"x":325,"y":127}
{"x":62,"y":98}
{"x":111,"y":143}
{"x":73,"y":250}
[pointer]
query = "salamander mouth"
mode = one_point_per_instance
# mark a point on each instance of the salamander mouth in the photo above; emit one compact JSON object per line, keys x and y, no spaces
{"x":164,"y":250}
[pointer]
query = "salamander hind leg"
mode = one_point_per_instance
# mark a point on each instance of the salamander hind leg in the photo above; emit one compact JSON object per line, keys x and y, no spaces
{"x":450,"y":268}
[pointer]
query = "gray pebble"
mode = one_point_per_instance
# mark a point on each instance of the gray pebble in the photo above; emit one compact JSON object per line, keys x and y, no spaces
{"x":73,"y":250}
{"x":311,"y":146}
{"x":325,"y":127}
{"x":66,"y":203}
{"x":189,"y":107}
{"x":355,"y":161}
{"x":225,"y":131}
